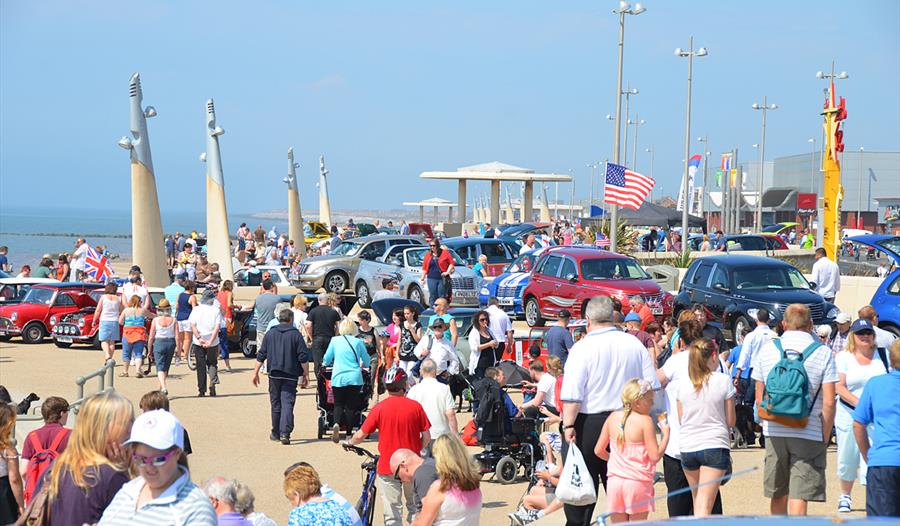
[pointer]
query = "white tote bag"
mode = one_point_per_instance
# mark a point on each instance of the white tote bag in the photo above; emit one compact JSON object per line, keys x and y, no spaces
{"x":575,"y":484}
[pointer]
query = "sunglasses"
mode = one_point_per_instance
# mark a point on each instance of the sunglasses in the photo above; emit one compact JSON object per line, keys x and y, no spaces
{"x":397,"y":471}
{"x":865,"y":333}
{"x":155,"y":461}
{"x":482,"y":319}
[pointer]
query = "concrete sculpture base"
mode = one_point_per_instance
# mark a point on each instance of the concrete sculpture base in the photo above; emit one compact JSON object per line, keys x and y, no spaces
{"x":295,"y":222}
{"x":218,"y":244}
{"x":147,"y":245}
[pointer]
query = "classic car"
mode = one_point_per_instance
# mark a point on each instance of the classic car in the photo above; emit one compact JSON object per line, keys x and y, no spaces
{"x":314,"y":231}
{"x":886,"y":299}
{"x":12,"y":290}
{"x":517,"y":233}
{"x":734,"y":287}
{"x":77,"y":327}
{"x":567,"y":278}
{"x":508,"y":287}
{"x":404,"y":265}
{"x":247,"y":285}
{"x":743,"y":242}
{"x":31,"y":317}
{"x":336,"y":271}
{"x":500,"y":252}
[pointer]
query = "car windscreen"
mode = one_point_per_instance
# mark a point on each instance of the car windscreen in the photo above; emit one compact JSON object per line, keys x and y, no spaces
{"x":39,"y":296}
{"x":612,"y":268}
{"x":346,"y":249}
{"x":769,"y":278}
{"x":415,"y":258}
{"x":523,"y":263}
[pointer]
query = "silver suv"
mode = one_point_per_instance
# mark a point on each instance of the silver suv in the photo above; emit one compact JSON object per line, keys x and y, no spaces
{"x":404,"y":265}
{"x":336,"y":272}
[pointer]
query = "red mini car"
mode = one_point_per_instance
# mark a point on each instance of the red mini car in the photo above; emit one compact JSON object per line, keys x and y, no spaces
{"x":32,"y":317}
{"x":78,"y":327}
{"x":566,"y":278}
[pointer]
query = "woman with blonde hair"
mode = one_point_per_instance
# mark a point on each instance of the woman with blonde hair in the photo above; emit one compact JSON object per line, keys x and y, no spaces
{"x":162,"y":341}
{"x":298,"y":307}
{"x":94,"y":466}
{"x":454,"y":499}
{"x":303,"y":488}
{"x":12,"y":500}
{"x":706,"y":412}
{"x":134,"y":334}
{"x":348,"y":355}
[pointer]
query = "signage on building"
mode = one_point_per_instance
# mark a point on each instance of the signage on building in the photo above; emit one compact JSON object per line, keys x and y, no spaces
{"x":806,"y":204}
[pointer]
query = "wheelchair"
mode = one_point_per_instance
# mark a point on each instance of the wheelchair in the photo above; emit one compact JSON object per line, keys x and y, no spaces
{"x":505,"y":454}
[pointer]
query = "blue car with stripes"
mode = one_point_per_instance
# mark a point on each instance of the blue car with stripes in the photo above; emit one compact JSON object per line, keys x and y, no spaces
{"x":508,"y":287}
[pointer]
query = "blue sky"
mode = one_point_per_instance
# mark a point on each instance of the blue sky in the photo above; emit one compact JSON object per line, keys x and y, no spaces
{"x":387,"y":90}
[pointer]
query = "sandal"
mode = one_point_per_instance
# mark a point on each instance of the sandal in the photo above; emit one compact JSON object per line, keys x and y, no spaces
{"x":123,"y":375}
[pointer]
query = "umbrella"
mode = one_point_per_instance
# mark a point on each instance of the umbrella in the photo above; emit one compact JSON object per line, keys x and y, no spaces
{"x":515,"y":373}
{"x":650,"y":214}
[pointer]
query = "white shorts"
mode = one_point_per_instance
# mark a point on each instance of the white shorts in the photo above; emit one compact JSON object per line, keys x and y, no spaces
{"x":184,"y":326}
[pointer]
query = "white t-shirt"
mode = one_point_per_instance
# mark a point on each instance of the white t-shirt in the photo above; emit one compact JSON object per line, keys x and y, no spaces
{"x":857,"y":376}
{"x":208,"y":319}
{"x":676,"y":371}
{"x":703,"y":413}
{"x":436,"y":400}
{"x":819,"y":369}
{"x":441,"y":351}
{"x":546,"y":385}
{"x":130,"y":289}
{"x":79,"y":256}
{"x":499,"y":323}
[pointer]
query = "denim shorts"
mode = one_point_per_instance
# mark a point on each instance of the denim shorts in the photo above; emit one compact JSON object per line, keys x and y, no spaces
{"x":108,"y":331}
{"x":716,"y":458}
{"x":132,"y":351}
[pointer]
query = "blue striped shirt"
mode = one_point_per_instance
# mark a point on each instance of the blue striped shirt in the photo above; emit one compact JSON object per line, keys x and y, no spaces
{"x":181,"y":504}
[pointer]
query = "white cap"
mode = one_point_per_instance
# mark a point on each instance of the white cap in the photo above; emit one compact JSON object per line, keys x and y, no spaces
{"x":158,"y":429}
{"x":842,"y":317}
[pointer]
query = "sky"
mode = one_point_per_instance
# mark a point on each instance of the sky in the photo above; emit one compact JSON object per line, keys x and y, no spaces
{"x":387,"y":90}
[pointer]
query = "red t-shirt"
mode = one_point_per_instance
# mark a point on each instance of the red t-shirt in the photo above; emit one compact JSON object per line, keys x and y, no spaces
{"x":45,"y":435}
{"x":400,"y":422}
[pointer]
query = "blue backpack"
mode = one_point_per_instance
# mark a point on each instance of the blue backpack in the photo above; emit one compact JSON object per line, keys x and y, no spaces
{"x":786,"y":396}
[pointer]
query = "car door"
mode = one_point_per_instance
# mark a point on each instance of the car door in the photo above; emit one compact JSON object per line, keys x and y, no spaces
{"x":569,"y":283}
{"x":64,"y":303}
{"x":549,"y":293}
{"x":718,"y":297}
{"x":497,"y":257}
{"x":699,"y":282}
{"x":387,"y":266}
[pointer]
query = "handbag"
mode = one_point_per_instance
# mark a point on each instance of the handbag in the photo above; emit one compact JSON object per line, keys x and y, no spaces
{"x":575,"y":485}
{"x":37,"y":513}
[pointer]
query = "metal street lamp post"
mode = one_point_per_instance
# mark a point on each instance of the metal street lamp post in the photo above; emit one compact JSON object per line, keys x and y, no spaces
{"x":650,"y":151}
{"x":859,"y":223}
{"x":705,"y":141}
{"x":624,"y":9}
{"x":690,"y":54}
{"x":765,"y":107}
{"x":637,"y":122}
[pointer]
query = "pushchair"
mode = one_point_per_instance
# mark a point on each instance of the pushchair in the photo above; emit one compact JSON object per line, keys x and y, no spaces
{"x":325,"y":400}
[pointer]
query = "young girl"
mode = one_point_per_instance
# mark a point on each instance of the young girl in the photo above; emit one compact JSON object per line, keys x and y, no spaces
{"x":633,"y":453}
{"x":706,"y":413}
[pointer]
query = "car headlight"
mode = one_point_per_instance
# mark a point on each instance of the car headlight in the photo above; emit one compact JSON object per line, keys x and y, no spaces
{"x":833,"y":312}
{"x":14,"y":316}
{"x":73,"y":330}
{"x":53,"y":320}
{"x":484,"y":291}
{"x":752,"y":312}
{"x":81,"y":322}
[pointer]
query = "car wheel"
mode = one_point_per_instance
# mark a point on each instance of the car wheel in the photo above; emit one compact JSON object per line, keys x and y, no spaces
{"x":362,"y":295}
{"x":893,"y":329}
{"x":506,"y":470}
{"x":95,"y":343}
{"x":415,"y":294}
{"x":62,"y":345}
{"x":248,"y":348}
{"x":33,"y":333}
{"x":533,"y":313}
{"x":5,"y":338}
{"x":336,"y":282}
{"x":741,"y":323}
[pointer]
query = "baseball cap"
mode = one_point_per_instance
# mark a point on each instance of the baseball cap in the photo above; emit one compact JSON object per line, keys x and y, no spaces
{"x":158,"y":429}
{"x":860,"y":325}
{"x":437,"y":324}
{"x":632,"y":316}
{"x":842,"y":318}
{"x":564,"y":313}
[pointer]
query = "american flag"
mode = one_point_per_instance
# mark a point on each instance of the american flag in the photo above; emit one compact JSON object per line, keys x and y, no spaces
{"x":602,"y":240}
{"x":626,"y":188}
{"x":96,"y":265}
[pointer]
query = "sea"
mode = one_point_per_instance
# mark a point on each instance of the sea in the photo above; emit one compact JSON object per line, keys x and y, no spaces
{"x":31,"y":232}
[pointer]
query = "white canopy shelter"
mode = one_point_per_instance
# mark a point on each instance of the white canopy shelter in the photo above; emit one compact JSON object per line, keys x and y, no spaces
{"x":434,"y":202}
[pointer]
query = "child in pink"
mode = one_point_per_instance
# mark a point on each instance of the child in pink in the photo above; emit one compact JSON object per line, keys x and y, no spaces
{"x":630,"y":435}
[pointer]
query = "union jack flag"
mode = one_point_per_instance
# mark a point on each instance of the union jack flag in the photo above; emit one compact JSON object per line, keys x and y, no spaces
{"x":96,"y":265}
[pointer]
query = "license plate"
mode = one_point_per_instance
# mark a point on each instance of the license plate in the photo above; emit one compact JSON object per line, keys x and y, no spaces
{"x":64,"y":339}
{"x":657,"y":311}
{"x":507,"y":301}
{"x":464,"y":294}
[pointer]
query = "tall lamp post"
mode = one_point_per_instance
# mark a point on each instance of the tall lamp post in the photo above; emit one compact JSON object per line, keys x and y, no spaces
{"x":859,"y":223}
{"x":765,"y":107}
{"x":650,"y":151}
{"x":690,"y":54}
{"x":706,"y":152}
{"x":636,"y":122}
{"x":624,"y":9}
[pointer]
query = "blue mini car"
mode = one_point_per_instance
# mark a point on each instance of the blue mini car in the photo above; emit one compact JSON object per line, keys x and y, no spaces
{"x":887,"y":298}
{"x":508,"y":286}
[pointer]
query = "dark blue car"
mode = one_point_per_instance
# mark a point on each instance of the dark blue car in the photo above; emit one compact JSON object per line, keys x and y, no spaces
{"x":508,"y":287}
{"x":887,"y":298}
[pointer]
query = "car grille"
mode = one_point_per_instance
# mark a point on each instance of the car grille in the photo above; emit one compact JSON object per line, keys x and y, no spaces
{"x":6,"y":323}
{"x":463,"y":283}
{"x":507,"y":291}
{"x":816,"y":311}
{"x":301,"y":269}
{"x":654,"y":300}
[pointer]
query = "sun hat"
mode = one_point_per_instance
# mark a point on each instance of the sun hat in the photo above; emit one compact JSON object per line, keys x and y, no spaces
{"x":843,"y":317}
{"x":158,"y":429}
{"x":163,"y":304}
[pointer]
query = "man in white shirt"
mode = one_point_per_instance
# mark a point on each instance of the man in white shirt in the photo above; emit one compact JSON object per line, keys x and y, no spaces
{"x":529,"y":245}
{"x":501,"y":327}
{"x":136,"y":287}
{"x":441,"y":351}
{"x":436,"y":400}
{"x":78,"y":259}
{"x":753,"y":342}
{"x":206,"y":320}
{"x":795,"y":457}
{"x":883,"y":338}
{"x":826,"y":275}
{"x":598,"y":367}
{"x":389,"y":290}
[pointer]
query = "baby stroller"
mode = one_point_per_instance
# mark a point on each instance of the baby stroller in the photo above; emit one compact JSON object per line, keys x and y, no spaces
{"x":325,"y":400}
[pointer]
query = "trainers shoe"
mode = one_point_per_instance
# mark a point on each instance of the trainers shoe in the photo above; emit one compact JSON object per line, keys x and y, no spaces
{"x":336,"y":433}
{"x":515,"y":519}
{"x":273,"y":437}
{"x":286,"y":440}
{"x":212,"y":390}
{"x":845,"y":503}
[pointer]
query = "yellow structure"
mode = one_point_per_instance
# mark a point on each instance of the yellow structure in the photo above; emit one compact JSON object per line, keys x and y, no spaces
{"x":833,"y":192}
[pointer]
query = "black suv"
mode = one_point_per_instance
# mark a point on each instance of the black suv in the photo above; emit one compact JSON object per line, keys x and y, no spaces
{"x":734,"y":287}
